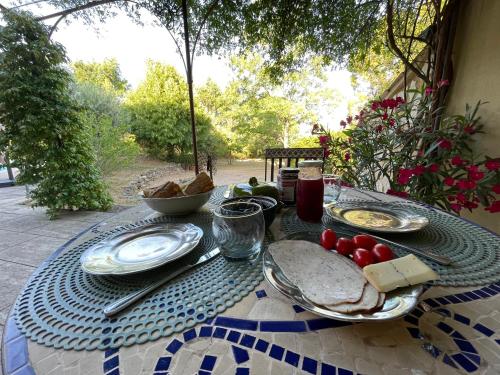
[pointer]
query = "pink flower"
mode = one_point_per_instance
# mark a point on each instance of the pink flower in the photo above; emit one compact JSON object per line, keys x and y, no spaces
{"x":476,"y":176}
{"x":418,"y":170}
{"x":401,"y":194}
{"x":450,"y":198}
{"x":379,"y":128}
{"x":385,"y":116}
{"x":449,"y":181}
{"x":399,"y":100}
{"x":404,"y":176}
{"x":492,"y":165}
{"x":456,"y":207}
{"x":457,"y":160}
{"x":327,"y":152}
{"x":462,"y":184}
{"x":445,"y":144}
{"x":428,"y":91}
{"x":420,"y":153}
{"x":443,"y":82}
{"x":349,"y":119}
{"x":315,"y":128}
{"x":347,"y":156}
{"x":323,"y":139}
{"x":433,"y":168}
{"x":496,"y":188}
{"x":494,"y":207}
{"x":343,"y":123}
{"x":461,"y":198}
{"x":470,"y":205}
{"x":392,"y":122}
{"x":469,"y":129}
{"x":375,"y":105}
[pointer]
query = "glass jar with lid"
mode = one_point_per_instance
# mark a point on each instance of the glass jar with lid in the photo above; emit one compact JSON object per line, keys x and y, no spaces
{"x":287,"y":184}
{"x":310,"y":190}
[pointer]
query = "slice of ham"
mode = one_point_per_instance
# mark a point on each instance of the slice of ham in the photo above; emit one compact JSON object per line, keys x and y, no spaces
{"x":368,"y":301}
{"x":324,"y":277}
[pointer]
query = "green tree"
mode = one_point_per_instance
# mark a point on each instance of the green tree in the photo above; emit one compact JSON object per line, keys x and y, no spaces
{"x":42,"y":131}
{"x":159,"y":114}
{"x":105,"y":74}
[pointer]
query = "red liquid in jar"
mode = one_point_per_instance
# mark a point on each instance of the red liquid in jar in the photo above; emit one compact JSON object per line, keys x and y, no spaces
{"x":310,"y":199}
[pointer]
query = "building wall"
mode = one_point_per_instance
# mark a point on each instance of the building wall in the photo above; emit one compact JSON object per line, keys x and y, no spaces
{"x":476,"y":62}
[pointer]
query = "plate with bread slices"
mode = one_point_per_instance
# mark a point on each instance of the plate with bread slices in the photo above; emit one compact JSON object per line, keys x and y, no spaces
{"x":332,"y":285}
{"x":179,"y":199}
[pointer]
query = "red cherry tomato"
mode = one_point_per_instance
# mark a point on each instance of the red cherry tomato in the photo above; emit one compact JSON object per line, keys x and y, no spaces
{"x":364,"y":241}
{"x":328,"y":238}
{"x":382,"y":253}
{"x":362,"y":257}
{"x":345,"y":246}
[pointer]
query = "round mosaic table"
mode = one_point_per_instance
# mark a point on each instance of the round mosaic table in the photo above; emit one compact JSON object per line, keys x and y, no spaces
{"x":455,"y":329}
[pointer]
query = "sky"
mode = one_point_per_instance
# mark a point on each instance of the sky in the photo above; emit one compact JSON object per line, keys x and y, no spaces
{"x":131,"y":45}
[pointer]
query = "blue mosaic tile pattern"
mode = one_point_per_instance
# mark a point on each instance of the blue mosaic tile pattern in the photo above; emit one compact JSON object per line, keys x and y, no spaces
{"x":261,"y":294}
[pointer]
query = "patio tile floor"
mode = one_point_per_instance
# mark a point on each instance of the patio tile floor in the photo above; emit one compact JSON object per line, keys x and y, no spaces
{"x":27,"y":238}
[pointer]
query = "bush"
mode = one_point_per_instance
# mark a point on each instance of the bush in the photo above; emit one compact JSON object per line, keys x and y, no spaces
{"x":397,"y":144}
{"x":114,"y":145}
{"x":43,"y":133}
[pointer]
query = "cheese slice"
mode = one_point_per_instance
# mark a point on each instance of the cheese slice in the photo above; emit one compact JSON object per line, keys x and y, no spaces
{"x":400,"y":272}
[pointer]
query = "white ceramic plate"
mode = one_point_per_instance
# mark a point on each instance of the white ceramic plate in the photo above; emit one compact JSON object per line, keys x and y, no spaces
{"x":377,"y":217}
{"x":141,"y":249}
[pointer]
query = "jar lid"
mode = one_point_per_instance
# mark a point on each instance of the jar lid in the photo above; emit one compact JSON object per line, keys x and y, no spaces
{"x":310,"y":163}
{"x":289,"y":170}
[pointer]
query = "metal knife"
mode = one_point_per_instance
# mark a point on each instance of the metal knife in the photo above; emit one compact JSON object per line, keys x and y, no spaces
{"x":122,"y":303}
{"x":430,"y":255}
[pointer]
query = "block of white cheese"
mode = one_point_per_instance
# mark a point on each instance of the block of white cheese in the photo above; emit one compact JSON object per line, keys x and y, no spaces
{"x":400,"y":272}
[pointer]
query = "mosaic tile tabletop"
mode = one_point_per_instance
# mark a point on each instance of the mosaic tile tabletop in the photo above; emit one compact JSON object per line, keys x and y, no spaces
{"x":452,"y":331}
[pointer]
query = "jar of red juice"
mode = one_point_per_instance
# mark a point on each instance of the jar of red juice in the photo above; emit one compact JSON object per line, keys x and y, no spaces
{"x":310,"y":190}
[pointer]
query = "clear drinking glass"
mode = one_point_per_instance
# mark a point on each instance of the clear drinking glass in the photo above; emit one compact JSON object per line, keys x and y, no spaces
{"x":332,"y":188}
{"x":239,"y":229}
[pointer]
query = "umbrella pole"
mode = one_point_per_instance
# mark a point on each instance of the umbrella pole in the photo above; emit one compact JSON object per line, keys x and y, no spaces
{"x":189,"y":73}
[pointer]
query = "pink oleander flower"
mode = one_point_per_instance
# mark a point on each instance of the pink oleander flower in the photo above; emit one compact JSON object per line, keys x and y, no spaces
{"x":433,"y":168}
{"x":456,"y":207}
{"x":449,"y":181}
{"x":445,"y":144}
{"x":392,"y":122}
{"x":428,"y":91}
{"x":493,"y":207}
{"x":323,"y":139}
{"x":401,"y":194}
{"x":492,"y":165}
{"x":349,"y":119}
{"x":457,"y":161}
{"x":343,"y":124}
{"x":418,"y":170}
{"x":442,"y":83}
{"x":347,"y":156}
{"x":496,"y":189}
{"x":469,"y":129}
{"x":404,"y":176}
{"x":379,"y":128}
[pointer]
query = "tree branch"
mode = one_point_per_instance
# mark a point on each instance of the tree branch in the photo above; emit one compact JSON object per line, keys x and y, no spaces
{"x":210,"y":9}
{"x":69,"y":11}
{"x":54,"y":26}
{"x":395,"y":48}
{"x":178,"y":49}
{"x":31,"y":3}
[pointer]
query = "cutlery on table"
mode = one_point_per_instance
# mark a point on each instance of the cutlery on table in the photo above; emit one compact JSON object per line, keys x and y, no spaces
{"x":122,"y":303}
{"x":445,"y":261}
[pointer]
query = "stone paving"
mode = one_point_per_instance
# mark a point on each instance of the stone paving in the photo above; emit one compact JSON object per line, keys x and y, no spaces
{"x":27,"y":237}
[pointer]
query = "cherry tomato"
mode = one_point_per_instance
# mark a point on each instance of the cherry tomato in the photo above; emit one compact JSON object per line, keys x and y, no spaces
{"x":382,"y":253}
{"x":345,"y":246}
{"x":328,"y":238}
{"x":364,"y":241}
{"x":363,"y":257}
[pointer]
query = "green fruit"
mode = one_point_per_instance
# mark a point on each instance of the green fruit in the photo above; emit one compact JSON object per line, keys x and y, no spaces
{"x":266,"y":190}
{"x":241,"y":190}
{"x":253,"y":181}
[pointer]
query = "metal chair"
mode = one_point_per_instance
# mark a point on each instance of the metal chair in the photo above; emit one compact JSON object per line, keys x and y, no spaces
{"x":290,"y":155}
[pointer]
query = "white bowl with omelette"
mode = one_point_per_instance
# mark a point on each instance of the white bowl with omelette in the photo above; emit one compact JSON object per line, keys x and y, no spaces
{"x":173,"y":199}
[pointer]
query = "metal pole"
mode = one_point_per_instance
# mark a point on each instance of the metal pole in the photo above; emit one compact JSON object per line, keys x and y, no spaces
{"x":189,"y":74}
